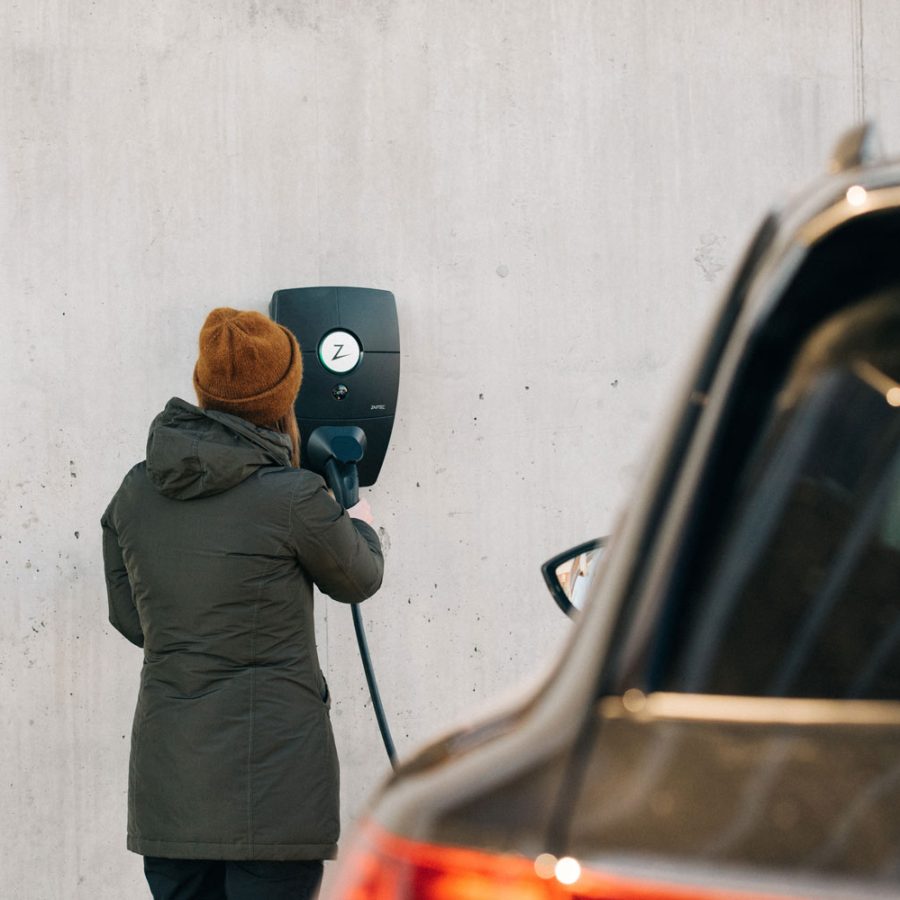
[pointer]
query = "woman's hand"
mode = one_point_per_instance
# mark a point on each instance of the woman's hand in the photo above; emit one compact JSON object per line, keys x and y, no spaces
{"x":362,"y":511}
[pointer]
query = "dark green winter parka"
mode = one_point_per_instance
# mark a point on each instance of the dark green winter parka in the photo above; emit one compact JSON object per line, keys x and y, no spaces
{"x":211,"y":549}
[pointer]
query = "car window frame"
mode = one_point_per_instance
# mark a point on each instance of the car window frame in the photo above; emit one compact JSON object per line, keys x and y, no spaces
{"x":752,"y":366}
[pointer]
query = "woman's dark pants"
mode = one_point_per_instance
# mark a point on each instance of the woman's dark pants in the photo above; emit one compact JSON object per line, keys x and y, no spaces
{"x":201,"y":879}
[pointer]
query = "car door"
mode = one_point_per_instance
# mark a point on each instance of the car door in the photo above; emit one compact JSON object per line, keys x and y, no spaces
{"x":755,"y":746}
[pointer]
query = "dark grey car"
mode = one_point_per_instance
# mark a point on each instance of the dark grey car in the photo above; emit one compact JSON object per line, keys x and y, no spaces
{"x":725,"y":721}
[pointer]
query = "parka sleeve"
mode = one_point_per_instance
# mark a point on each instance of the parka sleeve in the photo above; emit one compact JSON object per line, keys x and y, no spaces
{"x":342,"y":555}
{"x":123,"y":615}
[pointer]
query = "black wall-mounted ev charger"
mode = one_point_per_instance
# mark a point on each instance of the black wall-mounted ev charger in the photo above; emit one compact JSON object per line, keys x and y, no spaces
{"x":350,"y":341}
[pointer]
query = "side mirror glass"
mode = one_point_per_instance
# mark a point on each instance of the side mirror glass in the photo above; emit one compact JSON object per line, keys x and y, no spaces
{"x":568,"y":574}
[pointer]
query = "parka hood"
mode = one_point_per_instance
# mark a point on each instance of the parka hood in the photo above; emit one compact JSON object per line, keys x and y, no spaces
{"x":193,"y":452}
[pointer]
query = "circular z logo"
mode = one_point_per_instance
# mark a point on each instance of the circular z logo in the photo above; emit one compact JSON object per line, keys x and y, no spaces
{"x":339,"y":351}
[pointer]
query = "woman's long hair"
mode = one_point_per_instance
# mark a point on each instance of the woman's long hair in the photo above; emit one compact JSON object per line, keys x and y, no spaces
{"x":288,"y":425}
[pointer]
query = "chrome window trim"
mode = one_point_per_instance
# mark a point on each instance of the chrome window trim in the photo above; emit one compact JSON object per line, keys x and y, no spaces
{"x":798,"y":711}
{"x":843,"y":211}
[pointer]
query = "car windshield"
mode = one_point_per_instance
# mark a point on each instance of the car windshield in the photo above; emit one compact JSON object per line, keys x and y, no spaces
{"x":800,"y":594}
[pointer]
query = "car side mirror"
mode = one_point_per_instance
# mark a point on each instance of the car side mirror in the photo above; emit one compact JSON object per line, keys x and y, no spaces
{"x":567,"y":575}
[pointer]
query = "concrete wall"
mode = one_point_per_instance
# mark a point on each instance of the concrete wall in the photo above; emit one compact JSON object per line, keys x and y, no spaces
{"x":555,"y":190}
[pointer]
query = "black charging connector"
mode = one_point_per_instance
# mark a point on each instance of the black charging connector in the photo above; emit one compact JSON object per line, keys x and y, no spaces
{"x":336,"y":450}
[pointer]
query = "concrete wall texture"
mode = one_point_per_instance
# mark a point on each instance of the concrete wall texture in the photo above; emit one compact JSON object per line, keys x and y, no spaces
{"x":555,"y":190}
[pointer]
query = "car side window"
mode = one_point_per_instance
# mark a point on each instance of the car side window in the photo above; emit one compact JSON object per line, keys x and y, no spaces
{"x":801,"y":597}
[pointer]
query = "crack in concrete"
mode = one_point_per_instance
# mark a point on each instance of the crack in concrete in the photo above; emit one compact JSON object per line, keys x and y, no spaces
{"x":859,"y":61}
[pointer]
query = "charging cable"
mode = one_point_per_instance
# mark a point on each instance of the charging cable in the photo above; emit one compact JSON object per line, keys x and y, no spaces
{"x":340,"y":475}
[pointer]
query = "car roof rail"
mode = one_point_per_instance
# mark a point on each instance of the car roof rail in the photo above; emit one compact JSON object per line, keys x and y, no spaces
{"x":860,"y":146}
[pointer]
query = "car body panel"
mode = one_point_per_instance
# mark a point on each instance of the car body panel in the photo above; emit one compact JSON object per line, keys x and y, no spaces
{"x":779,"y":794}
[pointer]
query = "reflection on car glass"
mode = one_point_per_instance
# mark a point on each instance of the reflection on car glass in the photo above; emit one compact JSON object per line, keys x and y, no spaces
{"x":801,"y":598}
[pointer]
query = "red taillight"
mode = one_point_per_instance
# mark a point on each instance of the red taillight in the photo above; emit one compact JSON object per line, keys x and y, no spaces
{"x":382,"y":866}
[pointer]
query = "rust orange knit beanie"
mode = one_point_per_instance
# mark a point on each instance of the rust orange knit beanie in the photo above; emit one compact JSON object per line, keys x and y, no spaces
{"x":248,"y":365}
